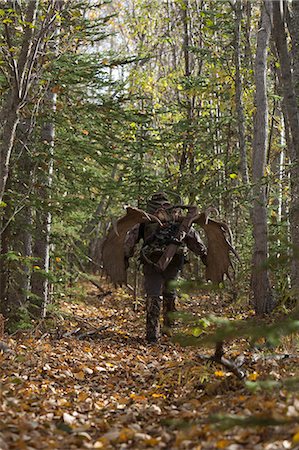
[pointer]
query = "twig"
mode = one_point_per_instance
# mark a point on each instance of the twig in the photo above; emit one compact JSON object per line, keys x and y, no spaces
{"x":230,"y":365}
{"x":95,"y":283}
{"x":70,"y":333}
{"x":79,"y":335}
{"x":93,"y":332}
{"x":218,"y":357}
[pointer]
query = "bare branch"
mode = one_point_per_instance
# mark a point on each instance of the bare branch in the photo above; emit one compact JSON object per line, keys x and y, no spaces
{"x":12,"y":62}
{"x":27,"y":45}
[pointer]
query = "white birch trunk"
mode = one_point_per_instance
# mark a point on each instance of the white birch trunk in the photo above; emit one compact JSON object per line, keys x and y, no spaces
{"x":239,"y":95}
{"x":262,"y":295}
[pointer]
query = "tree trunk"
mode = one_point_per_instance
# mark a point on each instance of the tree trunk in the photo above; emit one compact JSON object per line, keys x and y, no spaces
{"x":239,"y":95}
{"x":41,"y":249}
{"x":262,"y":294}
{"x":5,"y":308}
{"x":8,"y":139}
{"x":248,"y":53}
{"x":187,"y":157}
{"x":20,"y":79}
{"x":289,"y":84}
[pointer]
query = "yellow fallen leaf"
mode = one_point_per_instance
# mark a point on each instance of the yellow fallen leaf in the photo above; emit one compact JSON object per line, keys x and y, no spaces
{"x":82,"y":396}
{"x":137,"y":397}
{"x":296,"y":438}
{"x":86,"y":349}
{"x":123,"y":400}
{"x":108,"y":364}
{"x":223,"y":443}
{"x":152,"y":442}
{"x":125,"y":435}
{"x":253,"y":376}
{"x":79,"y":375}
{"x":158,"y":395}
{"x":219,"y":373}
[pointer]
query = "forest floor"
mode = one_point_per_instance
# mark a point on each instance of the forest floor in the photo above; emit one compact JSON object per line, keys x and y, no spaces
{"x":92,"y":382}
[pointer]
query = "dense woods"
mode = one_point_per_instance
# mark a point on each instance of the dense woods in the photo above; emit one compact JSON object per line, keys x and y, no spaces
{"x":105,"y":103}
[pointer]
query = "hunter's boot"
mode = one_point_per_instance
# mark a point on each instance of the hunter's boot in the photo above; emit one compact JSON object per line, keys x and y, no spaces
{"x":153,"y":308}
{"x":168,"y":307}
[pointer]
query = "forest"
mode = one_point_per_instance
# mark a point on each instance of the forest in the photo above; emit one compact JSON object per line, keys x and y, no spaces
{"x":107,"y":106}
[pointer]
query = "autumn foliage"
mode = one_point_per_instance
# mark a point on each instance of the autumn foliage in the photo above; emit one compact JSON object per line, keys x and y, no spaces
{"x":85,"y":378}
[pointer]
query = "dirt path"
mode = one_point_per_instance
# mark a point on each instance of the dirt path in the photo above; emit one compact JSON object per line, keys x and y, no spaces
{"x":95,"y":383}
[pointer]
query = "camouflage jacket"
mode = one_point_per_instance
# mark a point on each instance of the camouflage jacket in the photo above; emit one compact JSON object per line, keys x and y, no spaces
{"x":156,"y":239}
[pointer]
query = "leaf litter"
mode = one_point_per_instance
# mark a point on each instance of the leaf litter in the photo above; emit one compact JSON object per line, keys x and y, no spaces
{"x":87,"y":380}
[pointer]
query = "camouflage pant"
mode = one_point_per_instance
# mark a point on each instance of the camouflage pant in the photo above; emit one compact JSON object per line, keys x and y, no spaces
{"x":157,"y":290}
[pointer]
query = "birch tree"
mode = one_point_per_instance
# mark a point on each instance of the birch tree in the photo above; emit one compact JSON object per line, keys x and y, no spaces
{"x":239,"y":94}
{"x":262,"y":294}
{"x":41,"y":249}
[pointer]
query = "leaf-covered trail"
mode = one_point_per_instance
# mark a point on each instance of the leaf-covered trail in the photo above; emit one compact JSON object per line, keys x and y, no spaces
{"x":95,"y":383}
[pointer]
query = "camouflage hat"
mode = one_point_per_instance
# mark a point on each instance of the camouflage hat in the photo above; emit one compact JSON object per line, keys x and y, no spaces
{"x":158,"y":200}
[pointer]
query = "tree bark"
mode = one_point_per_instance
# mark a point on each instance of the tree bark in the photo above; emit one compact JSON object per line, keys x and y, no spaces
{"x":239,"y":95}
{"x":186,"y":44}
{"x":17,"y":94}
{"x":41,"y":249}
{"x":8,"y":139}
{"x":262,"y":294}
{"x":290,"y":88}
{"x":5,"y":308}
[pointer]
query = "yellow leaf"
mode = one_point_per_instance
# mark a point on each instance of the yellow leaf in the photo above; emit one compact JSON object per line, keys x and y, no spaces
{"x":233,"y":176}
{"x":158,"y":395}
{"x":152,"y":442}
{"x":82,"y":396}
{"x":223,"y":443}
{"x":79,"y":375}
{"x":219,"y":373}
{"x":253,"y":376}
{"x":36,"y":267}
{"x":108,"y":364}
{"x":138,"y":398}
{"x":86,"y":349}
{"x":57,"y":259}
{"x":86,"y":132}
{"x":126,"y":434}
{"x":296,"y":438}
